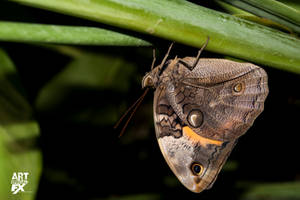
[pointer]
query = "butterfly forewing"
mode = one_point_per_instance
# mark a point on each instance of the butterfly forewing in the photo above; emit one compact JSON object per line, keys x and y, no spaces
{"x":228,"y":106}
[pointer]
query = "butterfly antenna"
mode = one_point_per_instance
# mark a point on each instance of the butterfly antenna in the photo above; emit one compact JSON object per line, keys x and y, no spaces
{"x":199,"y":53}
{"x":134,"y":106}
{"x":127,"y":111}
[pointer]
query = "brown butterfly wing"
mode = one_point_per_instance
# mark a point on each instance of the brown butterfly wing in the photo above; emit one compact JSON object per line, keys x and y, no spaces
{"x":199,"y":116}
{"x":219,"y":99}
{"x":181,"y":147}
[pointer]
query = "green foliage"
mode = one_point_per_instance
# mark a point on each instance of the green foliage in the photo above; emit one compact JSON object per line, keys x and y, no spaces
{"x":189,"y":24}
{"x":274,"y":191}
{"x":273,"y":10}
{"x":84,"y":72}
{"x":10,"y":31}
{"x":18,"y":134}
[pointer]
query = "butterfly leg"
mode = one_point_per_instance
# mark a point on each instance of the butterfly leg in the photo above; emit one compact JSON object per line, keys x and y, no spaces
{"x":191,"y":67}
{"x":154,"y":59}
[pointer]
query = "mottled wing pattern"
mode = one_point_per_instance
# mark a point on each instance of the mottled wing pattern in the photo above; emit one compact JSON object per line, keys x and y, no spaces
{"x":166,"y":120}
{"x":199,"y":115}
{"x":181,"y":147}
{"x":228,"y":95}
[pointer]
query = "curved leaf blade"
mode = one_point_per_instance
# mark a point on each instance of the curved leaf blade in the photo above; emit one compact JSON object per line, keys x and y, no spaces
{"x":189,"y":24}
{"x":28,"y":32}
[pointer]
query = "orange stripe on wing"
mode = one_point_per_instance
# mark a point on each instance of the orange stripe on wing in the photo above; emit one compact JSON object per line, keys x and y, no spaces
{"x":197,"y":138}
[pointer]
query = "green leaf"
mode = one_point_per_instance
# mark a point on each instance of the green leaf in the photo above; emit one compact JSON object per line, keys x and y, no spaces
{"x":91,"y":75}
{"x":250,"y":17}
{"x":232,"y":9}
{"x":295,"y":4}
{"x":271,"y":191}
{"x":18,"y":135}
{"x":26,"y":32}
{"x":190,"y":24}
{"x":272,"y":10}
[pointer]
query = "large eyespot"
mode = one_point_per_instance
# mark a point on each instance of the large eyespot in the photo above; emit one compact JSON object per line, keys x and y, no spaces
{"x":197,"y":169}
{"x":195,"y":118}
{"x":238,"y":88}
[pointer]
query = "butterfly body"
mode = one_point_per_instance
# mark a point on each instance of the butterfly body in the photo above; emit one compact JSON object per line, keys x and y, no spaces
{"x":200,"y":111}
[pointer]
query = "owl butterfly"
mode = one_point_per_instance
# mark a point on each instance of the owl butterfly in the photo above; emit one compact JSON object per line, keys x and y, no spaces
{"x":201,"y":107}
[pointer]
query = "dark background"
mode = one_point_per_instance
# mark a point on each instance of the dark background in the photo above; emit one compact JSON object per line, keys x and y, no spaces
{"x":83,"y":158}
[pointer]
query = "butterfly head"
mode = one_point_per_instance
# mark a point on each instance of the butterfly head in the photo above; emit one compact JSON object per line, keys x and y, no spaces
{"x":148,"y":80}
{"x":151,"y":78}
{"x":159,"y":74}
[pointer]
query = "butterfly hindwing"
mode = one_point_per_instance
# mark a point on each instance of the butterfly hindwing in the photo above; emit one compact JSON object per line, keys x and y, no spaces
{"x":182,"y":147}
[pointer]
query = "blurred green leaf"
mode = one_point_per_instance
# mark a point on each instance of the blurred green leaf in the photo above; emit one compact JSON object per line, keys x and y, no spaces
{"x":18,"y":135}
{"x":271,"y":191}
{"x":171,"y":181}
{"x":89,"y":74}
{"x":28,"y":32}
{"x":189,"y":24}
{"x":230,"y":165}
